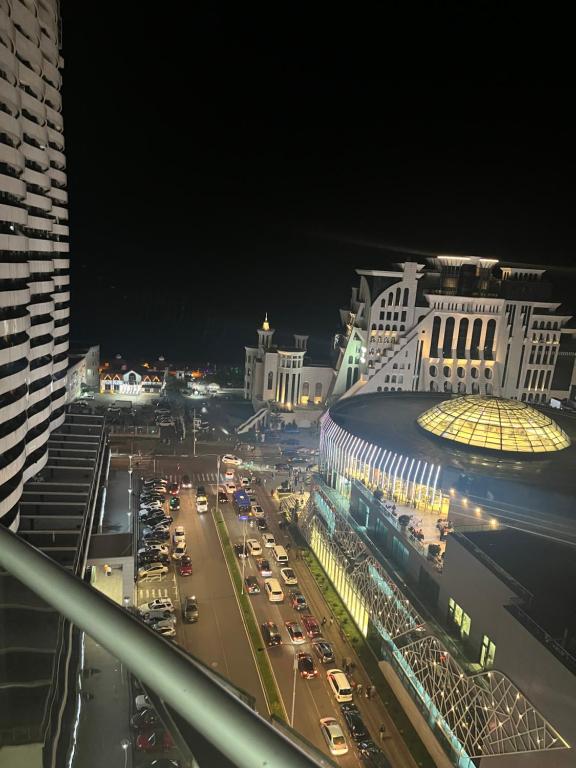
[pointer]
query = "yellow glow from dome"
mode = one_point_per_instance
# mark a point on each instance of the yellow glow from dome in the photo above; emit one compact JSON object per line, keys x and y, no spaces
{"x":495,"y":423}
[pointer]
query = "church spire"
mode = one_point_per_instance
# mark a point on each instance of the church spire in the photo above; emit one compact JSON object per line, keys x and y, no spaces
{"x":266,"y":324}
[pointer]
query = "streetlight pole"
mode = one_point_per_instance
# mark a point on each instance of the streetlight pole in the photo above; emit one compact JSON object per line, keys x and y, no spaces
{"x":294,"y":688}
{"x":217,"y":483}
{"x":194,"y":430}
{"x":243,"y":553}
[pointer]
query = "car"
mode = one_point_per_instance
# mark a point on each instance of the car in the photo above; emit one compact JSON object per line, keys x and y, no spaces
{"x":261,"y":524}
{"x":254,"y":547}
{"x":179,"y":534}
{"x":201,"y":504}
{"x":156,"y":522}
{"x":157,"y":518}
{"x":371,"y":755}
{"x":153,"y":617}
{"x":295,"y":632}
{"x":157,"y":535}
{"x":162,"y":603}
{"x":306,"y":666}
{"x":269,"y":540}
{"x":271,"y":633}
{"x":252,"y":586}
{"x":162,"y":762}
{"x":282,"y":467}
{"x":339,"y":684}
{"x":229,"y":458}
{"x":200,"y":491}
{"x":185,"y":482}
{"x":153,"y":557}
{"x":288,"y":576}
{"x":161,"y":548}
{"x":149,"y":509}
{"x":324,"y":651}
{"x":333,"y":736}
{"x":142,"y":702}
{"x":245,"y":481}
{"x":185,"y":566}
{"x":153,"y":741}
{"x":174,"y":503}
{"x":229,"y":474}
{"x":256,"y":511}
{"x":298,"y":601}
{"x":165,"y":627}
{"x":263,"y":566}
{"x":354,"y":721}
{"x":144,"y":719}
{"x":231,"y":488}
{"x":179,"y":550}
{"x":152,"y":569}
{"x":311,"y":625}
{"x":190,"y":609}
{"x":241,"y":551}
{"x":222,"y":497}
{"x":152,"y":497}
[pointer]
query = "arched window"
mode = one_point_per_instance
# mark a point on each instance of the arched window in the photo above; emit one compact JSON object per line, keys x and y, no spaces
{"x":433,"y":370}
{"x":488,"y":373}
{"x":402,"y":327}
{"x":398,"y":389}
{"x":306,"y":388}
{"x":398,"y":291}
{"x":460,"y":372}
{"x":447,"y":386}
{"x":378,"y":389}
{"x":462,"y":334}
{"x":390,"y":298}
{"x":385,"y":389}
{"x":448,"y":337}
{"x":394,"y":366}
{"x":270,"y":379}
{"x":447,"y":371}
{"x":318,"y":389}
{"x":387,"y":328}
{"x":433,"y":386}
{"x":488,"y":388}
{"x":435,"y":335}
{"x":405,"y":299}
{"x":381,"y":327}
{"x":474,"y":372}
{"x":393,"y":379}
{"x":475,"y":388}
{"x":530,"y":397}
{"x":489,"y":340}
{"x":536,"y":398}
{"x":461,"y":388}
{"x":387,"y":378}
{"x":523,"y":398}
{"x":475,"y":342}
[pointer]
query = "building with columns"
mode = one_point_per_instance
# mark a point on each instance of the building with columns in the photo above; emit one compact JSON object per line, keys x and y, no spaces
{"x":457,"y":324}
{"x":279,"y":375}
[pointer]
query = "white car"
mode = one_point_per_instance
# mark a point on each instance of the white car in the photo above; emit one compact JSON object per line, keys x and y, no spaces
{"x":228,"y":458}
{"x":230,"y":487}
{"x":161,"y":549}
{"x":289,"y":576}
{"x":165,"y":628}
{"x":179,"y":550}
{"x":142,"y":702}
{"x":254,"y":547}
{"x":245,"y":482}
{"x":153,"y":569}
{"x":179,"y":534}
{"x":229,"y":474}
{"x":201,"y":504}
{"x":164,"y":603}
{"x":333,"y":736}
{"x":269,"y":540}
{"x":256,"y":510}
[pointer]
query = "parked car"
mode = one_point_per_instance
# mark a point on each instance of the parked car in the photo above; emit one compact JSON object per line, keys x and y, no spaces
{"x":179,"y":534}
{"x":153,"y":557}
{"x":324,"y":651}
{"x":159,"y":602}
{"x":371,"y":755}
{"x":153,"y":741}
{"x":333,"y":736}
{"x":152,"y":569}
{"x":145,"y":718}
{"x":165,"y":627}
{"x":185,"y":566}
{"x":354,"y":721}
{"x":179,"y":550}
{"x":311,"y":626}
{"x":160,"y":548}
{"x":339,"y":684}
{"x":155,"y":534}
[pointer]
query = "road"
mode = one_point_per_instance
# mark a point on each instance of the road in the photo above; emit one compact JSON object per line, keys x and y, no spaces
{"x":209,"y":639}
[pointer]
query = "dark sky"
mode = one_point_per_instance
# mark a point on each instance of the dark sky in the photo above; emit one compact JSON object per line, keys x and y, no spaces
{"x":223,"y":164}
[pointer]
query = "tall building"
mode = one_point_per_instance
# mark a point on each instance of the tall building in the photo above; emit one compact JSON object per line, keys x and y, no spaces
{"x":460,"y":324}
{"x":34,"y":265}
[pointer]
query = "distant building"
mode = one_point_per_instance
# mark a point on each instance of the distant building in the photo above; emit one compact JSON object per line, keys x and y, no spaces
{"x":461,"y":324}
{"x":278,"y":375}
{"x":82,"y":375}
{"x":123,"y":378}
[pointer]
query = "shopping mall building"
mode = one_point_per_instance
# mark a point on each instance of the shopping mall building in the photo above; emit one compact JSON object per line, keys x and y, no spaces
{"x":444,"y":524}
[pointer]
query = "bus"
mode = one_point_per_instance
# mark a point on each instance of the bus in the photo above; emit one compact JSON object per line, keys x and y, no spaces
{"x":241,"y":503}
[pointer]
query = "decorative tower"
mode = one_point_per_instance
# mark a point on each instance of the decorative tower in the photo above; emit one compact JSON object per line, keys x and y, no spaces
{"x":265,"y":335}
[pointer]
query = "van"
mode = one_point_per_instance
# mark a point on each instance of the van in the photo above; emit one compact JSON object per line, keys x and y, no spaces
{"x":280,"y":554}
{"x":274,"y":590}
{"x":338,"y":681}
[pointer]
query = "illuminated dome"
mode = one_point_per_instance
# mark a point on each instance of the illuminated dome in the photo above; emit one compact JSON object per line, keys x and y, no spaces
{"x":495,"y":423}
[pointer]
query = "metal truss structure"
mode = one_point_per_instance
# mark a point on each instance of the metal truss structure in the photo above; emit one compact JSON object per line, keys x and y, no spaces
{"x":484,"y":712}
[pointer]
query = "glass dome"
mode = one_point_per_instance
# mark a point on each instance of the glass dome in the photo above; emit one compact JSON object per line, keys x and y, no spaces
{"x":495,"y":423}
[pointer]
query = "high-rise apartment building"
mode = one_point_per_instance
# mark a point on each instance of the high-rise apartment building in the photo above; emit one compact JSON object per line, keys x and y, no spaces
{"x":34,"y":265}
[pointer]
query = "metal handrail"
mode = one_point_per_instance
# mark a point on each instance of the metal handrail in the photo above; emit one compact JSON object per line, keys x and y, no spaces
{"x":179,"y":680}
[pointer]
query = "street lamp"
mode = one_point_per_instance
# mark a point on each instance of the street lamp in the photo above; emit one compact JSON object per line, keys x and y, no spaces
{"x":125,"y":744}
{"x":294,"y":688}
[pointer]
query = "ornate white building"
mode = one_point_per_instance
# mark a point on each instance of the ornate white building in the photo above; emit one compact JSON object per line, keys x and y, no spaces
{"x":459,"y":324}
{"x":34,"y":267}
{"x":278,"y":375}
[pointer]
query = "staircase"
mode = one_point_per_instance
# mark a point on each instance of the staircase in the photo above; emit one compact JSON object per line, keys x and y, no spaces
{"x":256,"y":420}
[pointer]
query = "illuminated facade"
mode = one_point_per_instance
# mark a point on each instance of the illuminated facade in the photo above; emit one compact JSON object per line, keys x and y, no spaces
{"x":494,"y":423}
{"x":34,"y":265}
{"x":279,"y":374}
{"x":488,"y":680}
{"x":458,"y":324}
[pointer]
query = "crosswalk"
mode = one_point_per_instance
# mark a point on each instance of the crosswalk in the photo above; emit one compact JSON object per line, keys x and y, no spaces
{"x":197,"y":478}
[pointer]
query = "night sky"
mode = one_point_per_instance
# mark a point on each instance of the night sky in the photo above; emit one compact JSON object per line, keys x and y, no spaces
{"x":223,"y":164}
